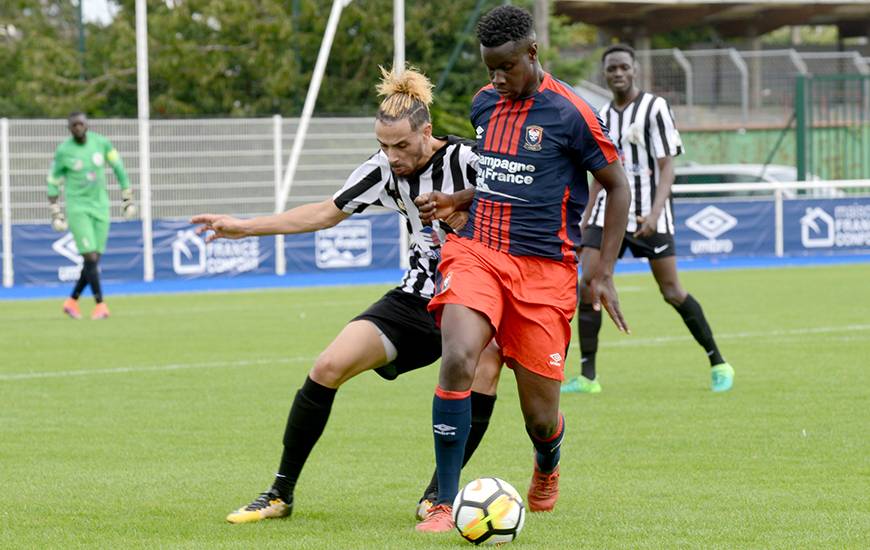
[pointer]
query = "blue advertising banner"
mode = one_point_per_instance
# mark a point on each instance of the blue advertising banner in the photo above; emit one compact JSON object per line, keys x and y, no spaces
{"x":180,"y":253}
{"x":826,"y":226}
{"x":41,"y":256}
{"x":710,"y":228}
{"x":363,"y":242}
{"x":366,"y":241}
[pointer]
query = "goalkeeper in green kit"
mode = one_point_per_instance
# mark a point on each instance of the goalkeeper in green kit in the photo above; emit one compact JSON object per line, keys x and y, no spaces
{"x":80,"y":162}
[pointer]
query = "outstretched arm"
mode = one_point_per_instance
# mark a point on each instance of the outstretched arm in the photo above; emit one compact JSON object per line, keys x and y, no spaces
{"x":302,"y":219}
{"x":612,"y":179}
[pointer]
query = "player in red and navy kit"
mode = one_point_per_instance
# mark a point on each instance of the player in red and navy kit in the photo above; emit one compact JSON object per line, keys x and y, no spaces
{"x":512,"y":271}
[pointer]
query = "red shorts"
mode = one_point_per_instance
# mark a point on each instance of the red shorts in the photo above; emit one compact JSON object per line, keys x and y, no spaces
{"x":529,"y":300}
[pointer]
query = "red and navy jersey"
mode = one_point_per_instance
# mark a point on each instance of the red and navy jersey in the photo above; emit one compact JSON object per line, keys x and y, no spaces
{"x":531,"y":181}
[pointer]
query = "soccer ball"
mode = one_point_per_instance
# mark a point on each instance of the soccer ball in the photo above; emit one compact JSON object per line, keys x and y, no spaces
{"x":489,"y":511}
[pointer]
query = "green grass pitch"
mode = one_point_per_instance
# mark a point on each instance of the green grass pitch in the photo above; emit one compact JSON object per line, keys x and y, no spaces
{"x":143,"y":431}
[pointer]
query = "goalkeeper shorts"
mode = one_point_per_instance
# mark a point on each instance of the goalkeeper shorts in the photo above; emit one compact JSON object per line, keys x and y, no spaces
{"x":90,"y":232}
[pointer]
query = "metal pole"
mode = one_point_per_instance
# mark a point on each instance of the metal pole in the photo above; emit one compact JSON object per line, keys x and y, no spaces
{"x":144,"y":138}
{"x":800,"y":136}
{"x":744,"y":82}
{"x":398,"y":68}
{"x":7,"y":207}
{"x":542,"y":23}
{"x":398,"y":36}
{"x":81,"y":40}
{"x":277,"y":151}
{"x":310,"y":100}
{"x":778,"y":224}
{"x":684,"y":64}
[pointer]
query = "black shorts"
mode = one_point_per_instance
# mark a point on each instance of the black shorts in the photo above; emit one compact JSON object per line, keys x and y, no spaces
{"x":654,"y":247}
{"x":403,"y":318}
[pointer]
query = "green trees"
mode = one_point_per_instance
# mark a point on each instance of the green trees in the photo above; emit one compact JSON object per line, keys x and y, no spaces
{"x":235,"y":57}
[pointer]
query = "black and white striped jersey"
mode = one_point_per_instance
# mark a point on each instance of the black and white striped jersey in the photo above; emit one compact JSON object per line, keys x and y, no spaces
{"x":452,"y":168}
{"x":642,"y":132}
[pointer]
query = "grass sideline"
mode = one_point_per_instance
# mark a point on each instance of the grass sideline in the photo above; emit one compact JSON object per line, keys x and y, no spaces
{"x":145,"y":430}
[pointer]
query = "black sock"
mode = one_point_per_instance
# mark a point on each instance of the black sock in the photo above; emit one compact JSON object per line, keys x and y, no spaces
{"x":305,"y":423}
{"x":692,"y":314}
{"x":548,"y":451}
{"x":588,"y":325}
{"x":92,"y":273}
{"x":481,"y":411}
{"x":80,"y":285}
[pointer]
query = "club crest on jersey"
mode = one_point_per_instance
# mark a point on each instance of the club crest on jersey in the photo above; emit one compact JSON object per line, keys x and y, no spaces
{"x":534,"y":137}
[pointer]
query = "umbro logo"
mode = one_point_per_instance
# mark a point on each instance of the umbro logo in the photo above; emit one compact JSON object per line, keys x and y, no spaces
{"x":479,"y":132}
{"x":660,"y":249}
{"x":444,"y":429}
{"x":555,"y":359}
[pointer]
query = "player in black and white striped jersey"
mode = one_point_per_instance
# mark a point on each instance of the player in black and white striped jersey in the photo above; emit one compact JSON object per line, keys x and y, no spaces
{"x":642,"y":127}
{"x":396,"y":334}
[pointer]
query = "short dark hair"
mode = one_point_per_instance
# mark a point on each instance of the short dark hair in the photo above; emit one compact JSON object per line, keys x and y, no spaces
{"x":504,"y":24}
{"x":74,"y":114}
{"x":618,"y":48}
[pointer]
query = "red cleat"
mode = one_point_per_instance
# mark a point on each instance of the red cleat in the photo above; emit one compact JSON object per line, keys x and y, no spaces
{"x":71,"y":308}
{"x":439,"y":519}
{"x":544,"y":491}
{"x":100,"y":312}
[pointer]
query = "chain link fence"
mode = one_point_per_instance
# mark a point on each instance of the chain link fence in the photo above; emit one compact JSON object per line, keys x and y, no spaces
{"x":731,"y":88}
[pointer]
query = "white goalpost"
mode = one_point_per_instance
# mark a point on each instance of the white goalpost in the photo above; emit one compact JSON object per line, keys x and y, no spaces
{"x":283,"y":192}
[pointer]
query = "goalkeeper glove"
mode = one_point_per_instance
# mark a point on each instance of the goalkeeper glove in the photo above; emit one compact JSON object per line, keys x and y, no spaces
{"x":127,"y":204}
{"x":58,"y":221}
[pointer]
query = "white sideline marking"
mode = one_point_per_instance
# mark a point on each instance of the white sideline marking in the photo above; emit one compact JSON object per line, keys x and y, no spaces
{"x":283,"y":360}
{"x":155,"y":368}
{"x":660,"y":340}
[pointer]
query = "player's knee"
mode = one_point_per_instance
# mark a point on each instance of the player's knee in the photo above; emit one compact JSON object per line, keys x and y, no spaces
{"x":542,"y":427}
{"x":328,"y":369}
{"x":673,"y":294}
{"x":486,"y":377}
{"x":458,"y":365}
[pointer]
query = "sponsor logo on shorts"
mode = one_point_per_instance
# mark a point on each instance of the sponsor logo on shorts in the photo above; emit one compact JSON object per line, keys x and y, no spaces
{"x":660,"y":249}
{"x":555,"y":359}
{"x":445,"y":284}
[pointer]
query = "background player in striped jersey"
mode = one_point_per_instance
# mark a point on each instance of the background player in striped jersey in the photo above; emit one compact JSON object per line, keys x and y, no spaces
{"x":396,"y":334}
{"x":642,"y":127}
{"x":512,"y":271}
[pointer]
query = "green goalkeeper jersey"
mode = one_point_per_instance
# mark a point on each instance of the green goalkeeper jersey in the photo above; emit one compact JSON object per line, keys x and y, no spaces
{"x":83,"y":168}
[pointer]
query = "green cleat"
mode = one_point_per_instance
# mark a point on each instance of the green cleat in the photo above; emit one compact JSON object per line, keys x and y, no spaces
{"x":581,"y":384}
{"x":721,"y":377}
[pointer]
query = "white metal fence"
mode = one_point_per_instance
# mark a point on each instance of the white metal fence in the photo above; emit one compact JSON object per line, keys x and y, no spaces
{"x":218,"y":165}
{"x":722,"y":86}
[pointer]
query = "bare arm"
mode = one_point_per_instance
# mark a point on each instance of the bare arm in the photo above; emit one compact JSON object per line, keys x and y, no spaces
{"x":612,"y":180}
{"x":646,"y":225}
{"x":302,"y":219}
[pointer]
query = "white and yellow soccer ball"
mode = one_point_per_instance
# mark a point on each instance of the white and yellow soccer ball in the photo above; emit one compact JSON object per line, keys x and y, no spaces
{"x":489,"y":511}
